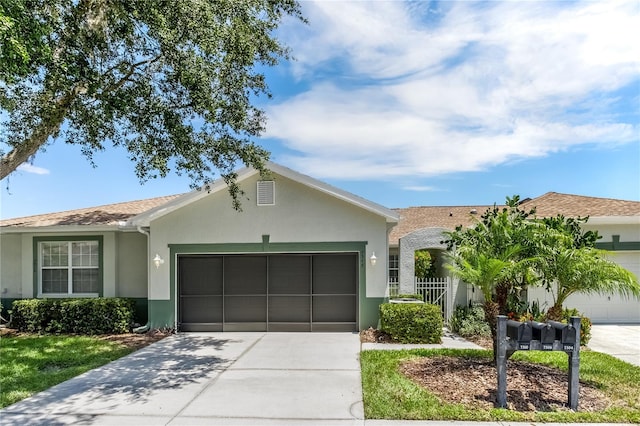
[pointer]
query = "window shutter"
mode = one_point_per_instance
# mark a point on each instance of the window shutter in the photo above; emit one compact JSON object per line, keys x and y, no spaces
{"x":266,"y":193}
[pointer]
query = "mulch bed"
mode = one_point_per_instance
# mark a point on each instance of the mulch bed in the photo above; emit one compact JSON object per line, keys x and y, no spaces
{"x":473,"y":381}
{"x":371,"y":335}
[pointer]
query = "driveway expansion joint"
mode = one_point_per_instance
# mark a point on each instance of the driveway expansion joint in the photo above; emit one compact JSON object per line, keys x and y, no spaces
{"x":215,"y":379}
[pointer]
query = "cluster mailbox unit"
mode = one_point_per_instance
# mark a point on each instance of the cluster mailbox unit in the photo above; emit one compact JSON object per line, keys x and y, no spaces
{"x":538,"y":336}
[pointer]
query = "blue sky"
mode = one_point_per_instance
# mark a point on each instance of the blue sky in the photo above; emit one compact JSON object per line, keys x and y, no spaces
{"x":422,"y":103}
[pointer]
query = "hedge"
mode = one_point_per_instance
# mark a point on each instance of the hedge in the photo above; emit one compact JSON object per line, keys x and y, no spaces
{"x":78,"y":316}
{"x":412,"y":322}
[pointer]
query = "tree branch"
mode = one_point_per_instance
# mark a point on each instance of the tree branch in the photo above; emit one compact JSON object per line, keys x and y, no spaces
{"x":48,"y":125}
{"x":132,"y":69}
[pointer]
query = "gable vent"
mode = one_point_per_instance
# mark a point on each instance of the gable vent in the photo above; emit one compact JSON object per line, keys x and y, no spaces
{"x":266,"y":193}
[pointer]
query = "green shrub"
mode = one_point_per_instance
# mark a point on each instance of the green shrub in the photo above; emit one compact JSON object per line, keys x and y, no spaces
{"x":81,"y":316}
{"x":585,"y":324}
{"x":468,"y":321}
{"x":412,"y":322}
{"x":409,"y":296}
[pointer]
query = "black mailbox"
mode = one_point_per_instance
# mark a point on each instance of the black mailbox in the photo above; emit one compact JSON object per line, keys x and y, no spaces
{"x":566,"y":334}
{"x":521,"y":332}
{"x":545,"y":333}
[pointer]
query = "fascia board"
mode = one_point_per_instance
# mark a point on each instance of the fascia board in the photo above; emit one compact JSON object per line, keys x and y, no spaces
{"x":79,"y":229}
{"x":613,"y":220}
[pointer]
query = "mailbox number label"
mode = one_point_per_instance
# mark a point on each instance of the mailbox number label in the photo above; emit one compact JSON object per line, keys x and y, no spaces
{"x":547,"y":347}
{"x":568,"y":347}
{"x":523,"y":346}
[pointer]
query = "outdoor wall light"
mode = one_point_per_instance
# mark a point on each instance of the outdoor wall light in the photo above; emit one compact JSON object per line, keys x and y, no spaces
{"x":373,"y":259}
{"x":158,"y":261}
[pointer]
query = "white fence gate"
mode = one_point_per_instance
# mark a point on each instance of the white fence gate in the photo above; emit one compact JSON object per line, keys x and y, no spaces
{"x":433,"y":290}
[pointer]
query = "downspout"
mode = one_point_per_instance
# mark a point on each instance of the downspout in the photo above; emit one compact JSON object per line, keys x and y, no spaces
{"x":145,"y":327}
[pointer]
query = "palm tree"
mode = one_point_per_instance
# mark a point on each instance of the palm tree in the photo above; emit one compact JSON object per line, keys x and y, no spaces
{"x":584,"y":270}
{"x":478,"y":269}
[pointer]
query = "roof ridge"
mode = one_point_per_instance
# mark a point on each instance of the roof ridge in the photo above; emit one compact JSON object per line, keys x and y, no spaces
{"x":564,"y":194}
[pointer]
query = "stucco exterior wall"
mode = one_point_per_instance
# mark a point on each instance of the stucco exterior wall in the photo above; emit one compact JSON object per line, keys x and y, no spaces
{"x":10,"y":266}
{"x":426,"y":238}
{"x":300,"y":214}
{"x":132,"y":265}
{"x":627,"y":233}
{"x":17,"y":262}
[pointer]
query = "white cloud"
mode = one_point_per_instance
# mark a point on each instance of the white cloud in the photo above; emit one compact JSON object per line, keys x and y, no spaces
{"x":422,"y":92}
{"x":420,"y":188}
{"x":30,"y":168}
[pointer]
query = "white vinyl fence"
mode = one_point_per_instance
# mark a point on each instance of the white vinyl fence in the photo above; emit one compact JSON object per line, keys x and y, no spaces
{"x":433,"y":290}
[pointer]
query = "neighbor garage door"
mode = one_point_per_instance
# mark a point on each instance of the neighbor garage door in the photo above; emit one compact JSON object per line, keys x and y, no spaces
{"x":277,"y":292}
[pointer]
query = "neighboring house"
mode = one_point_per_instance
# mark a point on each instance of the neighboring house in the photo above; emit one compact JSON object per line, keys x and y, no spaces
{"x":298,"y":257}
{"x":617,"y":221}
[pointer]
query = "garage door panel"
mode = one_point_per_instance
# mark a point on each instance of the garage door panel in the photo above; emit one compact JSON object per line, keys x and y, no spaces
{"x":245,"y":275}
{"x":201,"y":309}
{"x":289,"y":309}
{"x":334,"y":308}
{"x":245,"y":309}
{"x":200,"y":275}
{"x":290,"y":274}
{"x":334,"y":274}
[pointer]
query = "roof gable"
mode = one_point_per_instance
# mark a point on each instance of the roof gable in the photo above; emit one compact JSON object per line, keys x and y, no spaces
{"x":145,"y":218}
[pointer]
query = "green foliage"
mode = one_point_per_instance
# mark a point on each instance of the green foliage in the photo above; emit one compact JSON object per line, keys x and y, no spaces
{"x":81,"y":316}
{"x":389,"y":394}
{"x":417,"y":296}
{"x":412,"y":322}
{"x":31,"y":364}
{"x":510,"y":249}
{"x":469,"y":321}
{"x":521,"y":310}
{"x":585,"y":324}
{"x":172,"y":82}
{"x":424,"y":265}
{"x":496,"y":254}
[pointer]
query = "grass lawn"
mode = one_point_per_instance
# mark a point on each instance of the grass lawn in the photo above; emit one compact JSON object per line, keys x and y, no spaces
{"x":388,"y":394}
{"x":32,"y":363}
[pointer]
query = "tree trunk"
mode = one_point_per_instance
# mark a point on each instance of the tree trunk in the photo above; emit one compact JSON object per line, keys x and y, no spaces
{"x":502,"y":295}
{"x":555,"y":313}
{"x":49,"y":125}
{"x":491,"y":312}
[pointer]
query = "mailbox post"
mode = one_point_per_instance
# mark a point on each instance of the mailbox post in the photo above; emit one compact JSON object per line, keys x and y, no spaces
{"x":530,"y":335}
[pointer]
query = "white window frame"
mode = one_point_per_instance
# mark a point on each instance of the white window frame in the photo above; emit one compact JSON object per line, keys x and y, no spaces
{"x":69,"y":267}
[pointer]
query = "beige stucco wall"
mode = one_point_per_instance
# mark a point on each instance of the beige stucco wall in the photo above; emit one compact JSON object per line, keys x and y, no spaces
{"x":10,"y":266}
{"x":132,"y":265}
{"x":301,"y":214}
{"x":628,"y":232}
{"x":124,"y":255}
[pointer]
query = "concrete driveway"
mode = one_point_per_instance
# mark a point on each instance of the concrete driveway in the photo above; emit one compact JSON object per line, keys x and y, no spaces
{"x":620,"y":341}
{"x":213,"y":379}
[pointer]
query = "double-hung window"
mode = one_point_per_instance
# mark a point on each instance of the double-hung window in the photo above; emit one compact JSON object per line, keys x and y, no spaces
{"x":69,"y":268}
